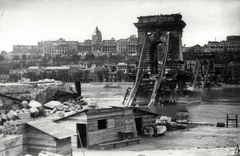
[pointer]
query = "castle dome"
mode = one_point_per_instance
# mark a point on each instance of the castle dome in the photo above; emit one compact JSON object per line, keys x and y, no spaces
{"x":97,"y":36}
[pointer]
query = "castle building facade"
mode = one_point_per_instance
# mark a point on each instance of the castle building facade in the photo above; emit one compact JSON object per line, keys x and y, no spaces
{"x":26,"y":49}
{"x":60,"y":46}
{"x":95,"y":45}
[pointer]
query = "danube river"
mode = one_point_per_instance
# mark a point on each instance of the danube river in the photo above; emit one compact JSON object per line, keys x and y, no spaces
{"x":215,"y":105}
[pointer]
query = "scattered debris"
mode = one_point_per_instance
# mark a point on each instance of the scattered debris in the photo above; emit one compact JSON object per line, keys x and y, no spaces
{"x":26,"y":107}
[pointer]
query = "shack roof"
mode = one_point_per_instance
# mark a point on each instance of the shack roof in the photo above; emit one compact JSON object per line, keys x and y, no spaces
{"x":168,"y":110}
{"x":51,"y":128}
{"x":148,"y":110}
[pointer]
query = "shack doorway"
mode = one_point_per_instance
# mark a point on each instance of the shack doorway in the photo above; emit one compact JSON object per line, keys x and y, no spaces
{"x":138,"y":122}
{"x":82,"y":129}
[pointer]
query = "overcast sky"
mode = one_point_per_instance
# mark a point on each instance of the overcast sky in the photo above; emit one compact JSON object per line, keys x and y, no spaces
{"x":29,"y":21}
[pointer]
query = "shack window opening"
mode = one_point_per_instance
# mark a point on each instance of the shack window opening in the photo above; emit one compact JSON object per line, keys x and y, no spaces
{"x":102,"y":124}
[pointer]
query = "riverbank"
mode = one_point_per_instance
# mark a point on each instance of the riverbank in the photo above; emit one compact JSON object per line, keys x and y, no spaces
{"x":188,"y":152}
{"x":197,"y":139}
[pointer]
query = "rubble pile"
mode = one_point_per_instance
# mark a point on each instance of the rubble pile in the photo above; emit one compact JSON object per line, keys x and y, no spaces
{"x":40,"y":90}
{"x":40,"y":101}
{"x":56,"y":108}
{"x":15,"y":88}
{"x":26,"y":111}
{"x":9,"y":128}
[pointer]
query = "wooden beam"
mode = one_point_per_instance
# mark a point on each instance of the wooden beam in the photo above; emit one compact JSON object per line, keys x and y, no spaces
{"x":138,"y":79}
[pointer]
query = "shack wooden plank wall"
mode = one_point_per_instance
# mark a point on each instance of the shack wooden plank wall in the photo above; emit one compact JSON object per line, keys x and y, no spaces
{"x":64,"y":147}
{"x":70,"y":123}
{"x":116,"y":120}
{"x":147,"y":118}
{"x":38,"y":141}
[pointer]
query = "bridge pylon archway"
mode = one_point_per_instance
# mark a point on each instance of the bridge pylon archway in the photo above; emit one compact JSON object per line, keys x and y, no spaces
{"x":159,"y":40}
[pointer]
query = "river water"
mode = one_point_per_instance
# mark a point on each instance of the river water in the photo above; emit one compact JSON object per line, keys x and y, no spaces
{"x":215,"y":105}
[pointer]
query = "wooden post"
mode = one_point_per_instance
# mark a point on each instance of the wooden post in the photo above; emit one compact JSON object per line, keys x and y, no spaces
{"x":237,"y":151}
{"x":227,"y":121}
{"x":196,"y":75}
{"x":80,"y":142}
{"x":232,"y":119}
{"x":206,"y":74}
{"x":236,"y":121}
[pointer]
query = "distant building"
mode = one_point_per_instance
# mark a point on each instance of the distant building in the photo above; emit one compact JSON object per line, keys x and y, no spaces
{"x":123,"y":67}
{"x":4,"y":78}
{"x":128,"y":46}
{"x":3,"y":52}
{"x":109,"y":46}
{"x":60,"y":46}
{"x":231,"y":44}
{"x":96,"y":45}
{"x":132,"y":45}
{"x":122,"y":46}
{"x":20,"y":63}
{"x":233,"y":70}
{"x":26,"y":49}
{"x":96,"y":36}
{"x":17,"y":74}
{"x":34,"y":69}
{"x":77,"y":67}
{"x":56,"y":70}
{"x":85,"y":46}
{"x":106,"y":47}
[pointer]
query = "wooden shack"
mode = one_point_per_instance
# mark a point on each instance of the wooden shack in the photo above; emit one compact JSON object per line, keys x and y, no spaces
{"x":143,"y":117}
{"x":48,"y":136}
{"x":97,"y":126}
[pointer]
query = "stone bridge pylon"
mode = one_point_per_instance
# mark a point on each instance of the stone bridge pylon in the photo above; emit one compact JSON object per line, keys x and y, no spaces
{"x":160,"y":47}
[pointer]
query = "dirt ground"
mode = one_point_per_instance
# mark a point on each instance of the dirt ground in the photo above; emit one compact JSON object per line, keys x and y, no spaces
{"x":197,"y":139}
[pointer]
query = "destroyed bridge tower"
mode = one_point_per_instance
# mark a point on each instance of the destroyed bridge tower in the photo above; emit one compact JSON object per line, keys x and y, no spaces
{"x":162,"y":24}
{"x":160,"y":47}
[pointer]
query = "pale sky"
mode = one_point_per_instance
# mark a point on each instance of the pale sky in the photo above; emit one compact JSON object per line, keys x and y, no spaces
{"x":26,"y":22}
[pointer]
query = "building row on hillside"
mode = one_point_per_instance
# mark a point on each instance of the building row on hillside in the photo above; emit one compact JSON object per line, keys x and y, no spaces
{"x":20,"y":63}
{"x":96,"y":45}
{"x":71,"y":72}
{"x":231,"y":70}
{"x":232,"y":44}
